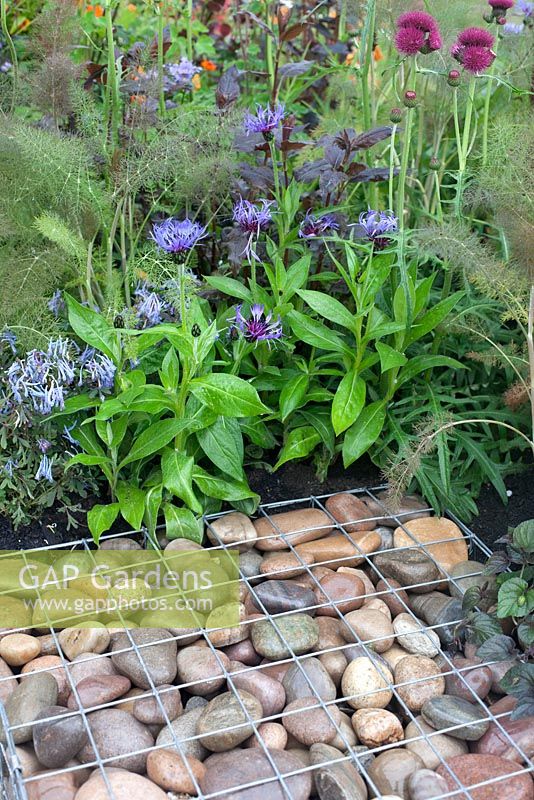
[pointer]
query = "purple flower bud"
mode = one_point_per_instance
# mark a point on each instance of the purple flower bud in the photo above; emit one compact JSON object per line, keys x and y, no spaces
{"x":313,"y":227}
{"x":265,"y":120}
{"x":44,"y":445}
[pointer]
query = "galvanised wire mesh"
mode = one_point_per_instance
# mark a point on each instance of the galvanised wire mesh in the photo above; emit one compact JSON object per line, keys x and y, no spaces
{"x":274,"y":782}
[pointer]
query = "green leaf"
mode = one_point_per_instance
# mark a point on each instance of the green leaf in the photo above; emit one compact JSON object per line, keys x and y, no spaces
{"x":296,"y":277}
{"x":177,"y":477}
{"x":132,"y":503}
{"x":348,"y":401}
{"x":315,"y":333}
{"x":181,"y":524}
{"x":513,"y":599}
{"x":293,"y":394}
{"x":87,"y":460}
{"x":153,"y":500}
{"x":328,"y":307}
{"x":75,"y":404}
{"x":170,"y":370}
{"x":228,"y":395}
{"x":154,"y":438}
{"x":389,"y":357}
{"x":93,"y":329}
{"x":221,"y":488}
{"x":523,"y":536}
{"x":101,"y":518}
{"x":222,"y":442}
{"x":421,"y":363}
{"x":299,"y":443}
{"x":434,"y":317}
{"x":364,"y":432}
{"x":229,"y":286}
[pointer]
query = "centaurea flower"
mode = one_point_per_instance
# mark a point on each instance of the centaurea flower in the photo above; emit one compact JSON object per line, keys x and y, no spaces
{"x":149,"y":306}
{"x":44,"y":471}
{"x":417,"y":32}
{"x":313,"y":227}
{"x":473,"y":50}
{"x":265,"y":120}
{"x":177,"y":236}
{"x":259,"y":327}
{"x":525,"y":7}
{"x":252,"y":219}
{"x":183,"y":72}
{"x":375,"y":227}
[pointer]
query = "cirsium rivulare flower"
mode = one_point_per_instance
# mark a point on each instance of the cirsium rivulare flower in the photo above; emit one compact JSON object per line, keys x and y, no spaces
{"x":375,"y":227}
{"x":259,"y":326}
{"x":265,"y":120}
{"x":473,"y":50}
{"x":177,"y":236}
{"x":417,"y":32}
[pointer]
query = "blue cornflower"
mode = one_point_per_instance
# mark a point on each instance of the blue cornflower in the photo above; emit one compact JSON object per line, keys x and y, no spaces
{"x":265,"y":120}
{"x":44,"y":445}
{"x":259,"y":327}
{"x":150,"y":306}
{"x":177,"y":236}
{"x":10,"y":339}
{"x":56,"y":304}
{"x":183,"y":72}
{"x":312,"y":227}
{"x":9,"y":467}
{"x":375,"y":225}
{"x":45,"y":470}
{"x":252,"y":219}
{"x":525,"y":7}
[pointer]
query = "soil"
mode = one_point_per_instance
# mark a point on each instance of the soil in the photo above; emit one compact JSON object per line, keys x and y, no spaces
{"x":298,"y":480}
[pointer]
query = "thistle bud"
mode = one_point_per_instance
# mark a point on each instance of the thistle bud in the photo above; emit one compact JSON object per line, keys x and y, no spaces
{"x":395,"y":115}
{"x":435,"y":163}
{"x":410,"y":99}
{"x":487,"y":18}
{"x":454,"y":78}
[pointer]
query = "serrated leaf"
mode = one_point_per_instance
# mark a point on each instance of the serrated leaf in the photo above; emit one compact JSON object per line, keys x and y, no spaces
{"x":513,"y":600}
{"x":523,"y":536}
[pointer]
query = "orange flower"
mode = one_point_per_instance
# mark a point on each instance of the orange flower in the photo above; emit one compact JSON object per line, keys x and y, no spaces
{"x":378,"y":55}
{"x":131,"y":7}
{"x":195,"y":80}
{"x":209,"y":66}
{"x":97,"y":9}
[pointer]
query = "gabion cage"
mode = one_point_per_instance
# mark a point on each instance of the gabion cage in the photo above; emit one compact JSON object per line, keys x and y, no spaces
{"x":276,"y":785}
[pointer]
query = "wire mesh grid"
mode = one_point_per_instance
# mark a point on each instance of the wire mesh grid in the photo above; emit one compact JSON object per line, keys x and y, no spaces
{"x":276,"y":781}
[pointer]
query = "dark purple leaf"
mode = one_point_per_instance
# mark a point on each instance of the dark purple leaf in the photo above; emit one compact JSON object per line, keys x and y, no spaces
{"x":228,"y":88}
{"x":293,"y":32}
{"x":496,"y":563}
{"x":295,"y":69}
{"x":373,"y":174}
{"x":259,"y":176}
{"x":356,"y":168}
{"x":334,"y":155}
{"x":259,"y":22}
{"x":369,"y":138}
{"x":247,"y":143}
{"x":311,"y":171}
{"x":330,"y":180}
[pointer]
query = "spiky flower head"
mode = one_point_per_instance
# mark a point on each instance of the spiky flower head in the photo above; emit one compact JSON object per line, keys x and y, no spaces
{"x":98,"y":368}
{"x":252,"y":218}
{"x":313,"y":227}
{"x":473,"y":50}
{"x":177,"y":236}
{"x":375,"y":227}
{"x":265,"y":120}
{"x":417,"y":32}
{"x":259,"y":326}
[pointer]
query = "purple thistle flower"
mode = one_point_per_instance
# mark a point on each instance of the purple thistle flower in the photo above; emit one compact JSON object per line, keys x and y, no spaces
{"x":312,"y":227}
{"x":473,"y":50}
{"x":177,"y":236}
{"x":417,"y":32}
{"x":259,"y":327}
{"x":10,"y":339}
{"x":375,"y":225}
{"x":183,"y":72}
{"x":56,"y":304}
{"x":44,"y":445}
{"x":265,"y":120}
{"x":45,"y":470}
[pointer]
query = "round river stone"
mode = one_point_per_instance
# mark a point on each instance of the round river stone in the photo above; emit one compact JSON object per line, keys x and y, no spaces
{"x":117,"y":734}
{"x":445,"y":711}
{"x":229,"y":770}
{"x":300,"y":632}
{"x":471,"y":769}
{"x":159,"y":660}
{"x":223,"y":712}
{"x":391,"y":770}
{"x":58,"y":740}
{"x":36,"y":692}
{"x":308,"y":672}
{"x":278,"y":597}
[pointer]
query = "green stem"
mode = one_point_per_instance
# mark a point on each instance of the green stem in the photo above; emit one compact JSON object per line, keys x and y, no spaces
{"x":439,"y":207}
{"x":161,"y":92}
{"x":189,"y":17}
{"x":405,"y":157}
{"x":368,"y":34}
{"x":463,"y":151}
{"x":183,"y":309}
{"x":113,"y":97}
{"x":12,"y":53}
{"x":392,"y":154}
{"x":487,"y":103}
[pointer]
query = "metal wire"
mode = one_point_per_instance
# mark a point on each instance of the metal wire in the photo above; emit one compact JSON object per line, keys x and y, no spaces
{"x":13,"y":784}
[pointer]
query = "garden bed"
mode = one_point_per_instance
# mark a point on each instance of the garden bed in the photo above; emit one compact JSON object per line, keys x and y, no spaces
{"x":397,"y":740}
